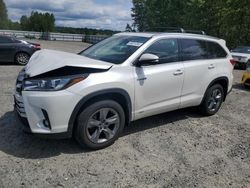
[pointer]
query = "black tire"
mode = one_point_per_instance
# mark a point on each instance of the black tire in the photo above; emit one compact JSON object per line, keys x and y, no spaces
{"x":82,"y":131}
{"x":205,"y":105}
{"x":246,"y":86}
{"x":22,"y":58}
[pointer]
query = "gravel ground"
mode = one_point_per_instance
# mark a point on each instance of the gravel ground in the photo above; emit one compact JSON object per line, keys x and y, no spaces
{"x":176,"y":149}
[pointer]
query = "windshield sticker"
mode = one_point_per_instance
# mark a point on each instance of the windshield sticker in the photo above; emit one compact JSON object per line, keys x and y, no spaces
{"x":137,"y":44}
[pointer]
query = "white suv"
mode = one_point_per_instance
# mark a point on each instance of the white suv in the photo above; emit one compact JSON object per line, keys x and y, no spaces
{"x":128,"y":76}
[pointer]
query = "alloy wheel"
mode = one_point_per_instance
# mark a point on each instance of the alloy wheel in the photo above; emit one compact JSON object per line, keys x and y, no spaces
{"x":22,"y":58}
{"x":103,"y":125}
{"x":215,"y":100}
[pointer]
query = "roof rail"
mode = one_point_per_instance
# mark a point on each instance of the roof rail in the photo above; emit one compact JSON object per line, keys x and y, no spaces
{"x":175,"y":30}
{"x":196,"y":32}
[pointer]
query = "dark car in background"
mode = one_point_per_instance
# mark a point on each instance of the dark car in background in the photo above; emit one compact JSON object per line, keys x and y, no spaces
{"x":14,"y":50}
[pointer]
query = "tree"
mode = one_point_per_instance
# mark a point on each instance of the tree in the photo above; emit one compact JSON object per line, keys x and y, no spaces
{"x":128,"y":28}
{"x":3,"y":15}
{"x":42,"y":22}
{"x":229,"y":19}
{"x":24,"y":22}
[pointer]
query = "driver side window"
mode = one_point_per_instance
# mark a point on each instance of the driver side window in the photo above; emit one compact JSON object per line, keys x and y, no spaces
{"x":166,"y":49}
{"x":4,"y":40}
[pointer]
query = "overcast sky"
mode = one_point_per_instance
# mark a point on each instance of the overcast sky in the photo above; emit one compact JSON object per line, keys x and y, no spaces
{"x":100,"y":14}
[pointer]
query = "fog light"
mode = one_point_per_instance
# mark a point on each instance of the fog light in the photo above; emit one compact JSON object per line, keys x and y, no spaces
{"x":46,"y":123}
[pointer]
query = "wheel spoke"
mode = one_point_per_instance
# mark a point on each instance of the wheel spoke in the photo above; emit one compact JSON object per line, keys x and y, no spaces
{"x":96,"y":135}
{"x":108,"y":133}
{"x":218,"y":97}
{"x":93,"y":123}
{"x":112,"y":120}
{"x":103,"y":114}
{"x":210,"y":105}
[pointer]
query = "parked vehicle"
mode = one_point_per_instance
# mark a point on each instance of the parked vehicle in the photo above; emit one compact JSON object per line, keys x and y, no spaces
{"x":124,"y":78}
{"x":242,"y":56}
{"x":246,"y":77}
{"x":14,"y":50}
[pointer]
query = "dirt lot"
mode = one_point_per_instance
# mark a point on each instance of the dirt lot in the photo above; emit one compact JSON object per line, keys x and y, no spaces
{"x":177,"y":149}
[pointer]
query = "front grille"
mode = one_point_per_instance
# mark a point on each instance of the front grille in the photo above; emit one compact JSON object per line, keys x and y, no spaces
{"x":19,"y":106}
{"x":19,"y":82}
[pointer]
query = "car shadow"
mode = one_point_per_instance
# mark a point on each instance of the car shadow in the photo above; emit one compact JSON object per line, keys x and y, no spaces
{"x":240,"y":86}
{"x":9,"y":64}
{"x":22,"y":145}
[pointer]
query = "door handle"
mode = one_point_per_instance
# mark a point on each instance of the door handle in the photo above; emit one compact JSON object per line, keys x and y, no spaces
{"x":141,"y":79}
{"x":178,"y":72}
{"x":211,"y":66}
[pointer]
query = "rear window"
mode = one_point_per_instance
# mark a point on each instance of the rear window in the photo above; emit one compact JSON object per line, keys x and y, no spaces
{"x":193,"y":49}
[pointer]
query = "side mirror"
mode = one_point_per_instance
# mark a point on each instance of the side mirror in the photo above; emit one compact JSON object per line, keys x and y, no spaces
{"x":148,"y":59}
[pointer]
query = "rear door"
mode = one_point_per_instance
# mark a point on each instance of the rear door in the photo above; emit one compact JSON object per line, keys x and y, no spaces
{"x":7,"y":49}
{"x":199,"y":70}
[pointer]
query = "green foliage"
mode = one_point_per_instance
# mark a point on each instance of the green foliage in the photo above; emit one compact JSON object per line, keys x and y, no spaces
{"x":128,"y":28}
{"x":86,"y":31}
{"x":42,"y":22}
{"x":3,"y":15}
{"x":228,"y":19}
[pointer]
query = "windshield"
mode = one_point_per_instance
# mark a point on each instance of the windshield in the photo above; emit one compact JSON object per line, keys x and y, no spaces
{"x":116,"y":49}
{"x":242,"y":49}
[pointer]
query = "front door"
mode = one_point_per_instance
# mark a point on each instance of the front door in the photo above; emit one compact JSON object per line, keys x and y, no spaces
{"x":158,"y":87}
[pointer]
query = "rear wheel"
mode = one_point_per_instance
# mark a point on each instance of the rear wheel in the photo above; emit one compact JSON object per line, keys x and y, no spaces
{"x":213,"y":100}
{"x":22,"y":58}
{"x":100,"y":124}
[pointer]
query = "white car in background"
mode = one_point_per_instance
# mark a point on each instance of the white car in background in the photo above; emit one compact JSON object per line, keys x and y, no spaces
{"x":126,"y":77}
{"x":241,"y":56}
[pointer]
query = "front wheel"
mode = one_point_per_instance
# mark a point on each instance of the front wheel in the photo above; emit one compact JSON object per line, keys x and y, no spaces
{"x":22,"y":58}
{"x":213,"y":100}
{"x":100,"y":124}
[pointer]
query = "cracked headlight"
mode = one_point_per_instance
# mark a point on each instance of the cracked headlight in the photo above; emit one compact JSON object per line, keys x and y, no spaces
{"x":52,"y":84}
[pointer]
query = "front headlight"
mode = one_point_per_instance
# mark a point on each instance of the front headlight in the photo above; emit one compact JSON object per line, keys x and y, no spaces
{"x":52,"y":84}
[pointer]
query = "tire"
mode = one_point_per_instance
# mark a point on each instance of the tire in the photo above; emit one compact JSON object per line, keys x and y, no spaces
{"x":213,"y":100}
{"x":22,"y":58}
{"x":96,"y":131}
{"x":246,"y":86}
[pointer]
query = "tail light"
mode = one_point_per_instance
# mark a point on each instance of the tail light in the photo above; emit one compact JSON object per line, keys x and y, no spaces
{"x":233,"y":62}
{"x":37,"y":46}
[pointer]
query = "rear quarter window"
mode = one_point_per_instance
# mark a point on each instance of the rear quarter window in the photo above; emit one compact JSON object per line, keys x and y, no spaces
{"x":215,"y":50}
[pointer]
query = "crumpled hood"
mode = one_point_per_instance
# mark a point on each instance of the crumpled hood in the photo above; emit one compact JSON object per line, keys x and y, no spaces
{"x":47,"y":60}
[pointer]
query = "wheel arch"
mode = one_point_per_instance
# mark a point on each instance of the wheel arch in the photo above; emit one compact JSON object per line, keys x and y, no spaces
{"x":119,"y":95}
{"x":223,"y":81}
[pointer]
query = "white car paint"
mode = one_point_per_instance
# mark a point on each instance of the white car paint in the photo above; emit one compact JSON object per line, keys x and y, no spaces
{"x":153,"y":89}
{"x":241,"y":57}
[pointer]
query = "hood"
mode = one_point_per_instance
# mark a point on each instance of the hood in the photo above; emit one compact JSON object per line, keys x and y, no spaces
{"x":240,"y":54}
{"x":47,"y":60}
